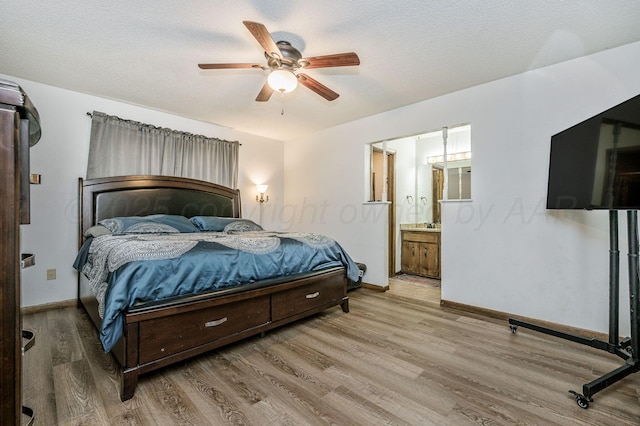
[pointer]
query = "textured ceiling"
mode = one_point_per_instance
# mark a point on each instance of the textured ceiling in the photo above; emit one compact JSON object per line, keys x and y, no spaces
{"x":145,"y":52}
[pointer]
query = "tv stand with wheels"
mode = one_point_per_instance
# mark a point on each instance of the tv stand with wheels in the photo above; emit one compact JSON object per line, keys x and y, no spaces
{"x":627,"y":348}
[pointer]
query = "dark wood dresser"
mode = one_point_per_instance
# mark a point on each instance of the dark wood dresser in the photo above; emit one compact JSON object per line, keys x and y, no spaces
{"x":19,"y":130}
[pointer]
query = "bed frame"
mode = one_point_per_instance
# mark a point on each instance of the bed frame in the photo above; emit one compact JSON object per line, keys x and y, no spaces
{"x":158,"y":334}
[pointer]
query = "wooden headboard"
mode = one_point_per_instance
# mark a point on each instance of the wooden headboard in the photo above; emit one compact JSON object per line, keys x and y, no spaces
{"x":118,"y":196}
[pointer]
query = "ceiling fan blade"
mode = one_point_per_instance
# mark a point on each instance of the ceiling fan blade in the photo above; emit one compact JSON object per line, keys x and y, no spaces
{"x":317,"y":87}
{"x":337,"y":60}
{"x":261,"y":34}
{"x":265,"y":93}
{"x":227,"y":66}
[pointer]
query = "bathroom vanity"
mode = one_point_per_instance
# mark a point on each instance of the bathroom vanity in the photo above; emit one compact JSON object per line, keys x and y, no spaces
{"x":420,"y":254}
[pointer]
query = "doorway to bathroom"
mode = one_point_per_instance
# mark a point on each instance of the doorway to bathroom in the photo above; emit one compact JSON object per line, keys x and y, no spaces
{"x":429,"y":168}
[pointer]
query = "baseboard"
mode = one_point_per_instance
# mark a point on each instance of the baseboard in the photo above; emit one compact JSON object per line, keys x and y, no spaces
{"x":505,"y":316}
{"x":48,"y":306}
{"x":375,"y":287}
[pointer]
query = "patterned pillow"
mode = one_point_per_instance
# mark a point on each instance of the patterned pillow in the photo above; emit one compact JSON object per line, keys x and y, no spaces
{"x":154,"y":224}
{"x":224,"y":224}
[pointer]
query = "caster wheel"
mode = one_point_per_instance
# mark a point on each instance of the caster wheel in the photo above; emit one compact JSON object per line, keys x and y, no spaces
{"x":581,"y":400}
{"x":513,"y":328}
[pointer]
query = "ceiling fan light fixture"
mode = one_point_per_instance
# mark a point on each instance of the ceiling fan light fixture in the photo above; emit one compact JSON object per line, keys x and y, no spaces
{"x":285,"y":64}
{"x":283,"y":81}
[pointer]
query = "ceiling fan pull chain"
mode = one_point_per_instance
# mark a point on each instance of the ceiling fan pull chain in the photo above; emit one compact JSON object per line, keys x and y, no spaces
{"x":282,"y":100}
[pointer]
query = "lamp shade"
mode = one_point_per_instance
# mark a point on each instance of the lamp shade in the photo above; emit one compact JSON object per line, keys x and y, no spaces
{"x":282,"y":81}
{"x":262,"y":188}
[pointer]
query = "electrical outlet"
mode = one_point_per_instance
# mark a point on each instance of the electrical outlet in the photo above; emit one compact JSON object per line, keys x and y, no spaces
{"x":51,"y":274}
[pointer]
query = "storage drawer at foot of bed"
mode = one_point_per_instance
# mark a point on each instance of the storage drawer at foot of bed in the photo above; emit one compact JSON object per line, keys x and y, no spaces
{"x":305,"y":298}
{"x":168,"y":335}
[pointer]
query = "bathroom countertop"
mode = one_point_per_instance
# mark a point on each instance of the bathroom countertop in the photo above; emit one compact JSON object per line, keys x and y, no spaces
{"x":420,"y":227}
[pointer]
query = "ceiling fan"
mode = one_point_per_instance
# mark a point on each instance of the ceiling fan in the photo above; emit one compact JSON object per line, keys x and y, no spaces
{"x":285,"y":61}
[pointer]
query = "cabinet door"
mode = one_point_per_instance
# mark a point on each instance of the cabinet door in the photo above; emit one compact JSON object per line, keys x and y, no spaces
{"x":429,"y":260}
{"x":410,"y":259}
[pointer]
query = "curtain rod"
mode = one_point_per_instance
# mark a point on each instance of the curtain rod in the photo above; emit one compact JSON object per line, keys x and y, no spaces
{"x":90,"y":114}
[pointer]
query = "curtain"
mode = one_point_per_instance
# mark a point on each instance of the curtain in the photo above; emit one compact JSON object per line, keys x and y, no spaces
{"x":122,"y":147}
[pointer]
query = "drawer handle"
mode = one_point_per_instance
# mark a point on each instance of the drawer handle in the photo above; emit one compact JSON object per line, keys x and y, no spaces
{"x":29,"y":413}
{"x":35,"y":179}
{"x":27,"y":260}
{"x":30,"y":338}
{"x":215,"y":323}
{"x":313,"y":295}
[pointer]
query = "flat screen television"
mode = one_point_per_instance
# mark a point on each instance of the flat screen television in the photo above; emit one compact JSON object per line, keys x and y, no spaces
{"x":596,"y":163}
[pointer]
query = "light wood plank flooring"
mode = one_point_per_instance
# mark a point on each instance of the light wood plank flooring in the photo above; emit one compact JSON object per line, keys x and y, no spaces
{"x":413,"y":291}
{"x":390,"y":360}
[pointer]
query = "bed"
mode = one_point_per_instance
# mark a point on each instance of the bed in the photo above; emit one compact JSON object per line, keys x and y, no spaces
{"x":209,"y":306}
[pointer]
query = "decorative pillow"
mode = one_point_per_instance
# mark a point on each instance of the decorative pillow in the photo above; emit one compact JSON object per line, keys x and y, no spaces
{"x":224,"y":224}
{"x":96,"y":231}
{"x":153,"y":224}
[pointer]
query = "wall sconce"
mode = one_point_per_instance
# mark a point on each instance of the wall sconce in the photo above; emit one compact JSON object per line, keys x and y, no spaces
{"x":261,"y":190}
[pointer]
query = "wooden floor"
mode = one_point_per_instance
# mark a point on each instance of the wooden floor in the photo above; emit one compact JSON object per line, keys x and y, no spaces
{"x":390,"y":360}
{"x":413,"y":291}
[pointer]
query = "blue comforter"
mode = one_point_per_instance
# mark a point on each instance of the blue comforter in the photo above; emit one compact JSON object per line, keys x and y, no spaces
{"x":125,"y":270}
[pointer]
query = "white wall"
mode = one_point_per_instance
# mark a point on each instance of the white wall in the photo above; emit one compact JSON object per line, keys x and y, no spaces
{"x":61,"y":158}
{"x":503,"y":250}
{"x":324,"y":182}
